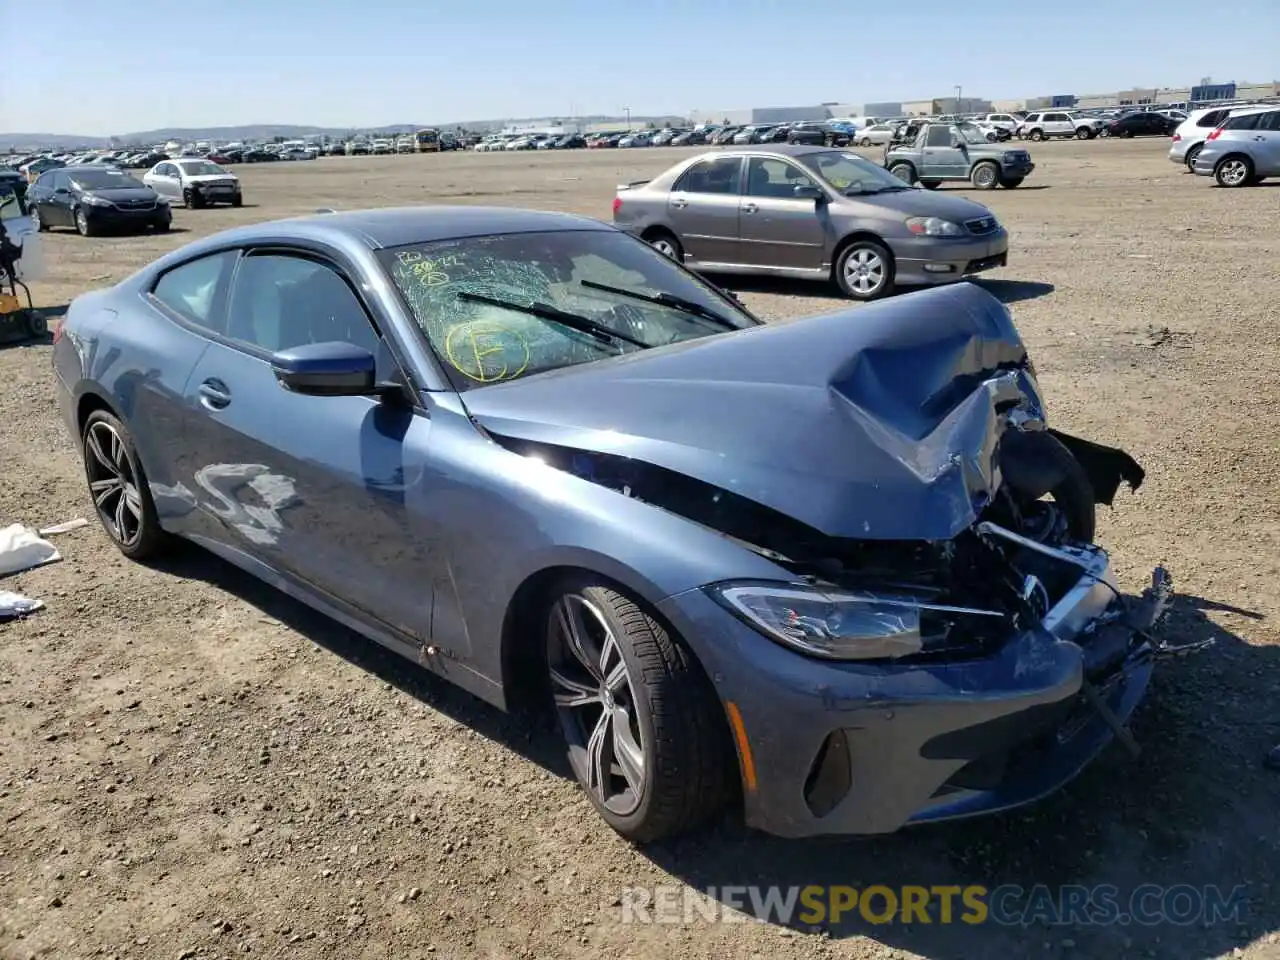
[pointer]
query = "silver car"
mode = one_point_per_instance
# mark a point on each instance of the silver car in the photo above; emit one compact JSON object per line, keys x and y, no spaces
{"x":195,"y":182}
{"x":813,"y":213}
{"x":1244,"y":150}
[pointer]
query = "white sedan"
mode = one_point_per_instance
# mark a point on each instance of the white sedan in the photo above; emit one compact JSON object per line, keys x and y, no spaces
{"x":195,"y":182}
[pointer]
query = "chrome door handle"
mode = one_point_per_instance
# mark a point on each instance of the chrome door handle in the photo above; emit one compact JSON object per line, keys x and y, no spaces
{"x":214,"y":394}
{"x":749,"y":208}
{"x":679,"y":203}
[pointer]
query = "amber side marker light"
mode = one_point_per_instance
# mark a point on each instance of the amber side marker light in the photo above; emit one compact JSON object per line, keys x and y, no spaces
{"x":744,"y":748}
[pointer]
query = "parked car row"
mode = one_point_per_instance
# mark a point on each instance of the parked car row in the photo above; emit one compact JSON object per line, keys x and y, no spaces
{"x":92,"y":198}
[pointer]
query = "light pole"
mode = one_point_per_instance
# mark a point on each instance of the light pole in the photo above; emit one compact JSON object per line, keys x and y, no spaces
{"x":628,"y":111}
{"x":959,"y":89}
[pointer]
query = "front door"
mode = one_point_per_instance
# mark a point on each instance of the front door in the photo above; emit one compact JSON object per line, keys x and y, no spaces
{"x":777,"y":228}
{"x":1266,"y":144}
{"x":164,"y":181}
{"x":941,"y":158}
{"x":56,"y":211}
{"x":316,"y":487}
{"x":703,"y":209}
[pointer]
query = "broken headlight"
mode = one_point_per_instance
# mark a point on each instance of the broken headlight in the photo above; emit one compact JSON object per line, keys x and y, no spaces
{"x":837,"y":624}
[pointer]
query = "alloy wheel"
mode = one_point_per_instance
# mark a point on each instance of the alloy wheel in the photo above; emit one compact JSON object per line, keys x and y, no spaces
{"x":864,"y":272}
{"x":35,"y":219}
{"x":595,"y":702}
{"x":664,"y":246}
{"x":1233,"y":173}
{"x":82,"y":223}
{"x":113,"y":483}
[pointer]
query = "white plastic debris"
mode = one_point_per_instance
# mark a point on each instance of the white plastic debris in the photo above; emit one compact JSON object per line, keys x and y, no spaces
{"x":21,"y":548}
{"x":16,"y":605}
{"x":66,"y":527}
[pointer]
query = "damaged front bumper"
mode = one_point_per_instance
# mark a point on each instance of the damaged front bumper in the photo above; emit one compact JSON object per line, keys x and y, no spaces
{"x":859,"y":748}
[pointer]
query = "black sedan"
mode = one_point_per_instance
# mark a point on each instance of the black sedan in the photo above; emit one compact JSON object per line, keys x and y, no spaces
{"x":1140,"y":125}
{"x":94,"y":198}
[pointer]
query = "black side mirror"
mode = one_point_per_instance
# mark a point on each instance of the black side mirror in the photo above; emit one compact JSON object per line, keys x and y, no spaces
{"x":957,"y":143}
{"x":327,"y":370}
{"x":805,"y":191}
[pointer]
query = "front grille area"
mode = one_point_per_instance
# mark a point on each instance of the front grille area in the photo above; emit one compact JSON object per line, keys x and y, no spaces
{"x":981,"y":226}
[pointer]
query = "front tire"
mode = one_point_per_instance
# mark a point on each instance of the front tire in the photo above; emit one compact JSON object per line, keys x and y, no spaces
{"x":192,"y":199}
{"x":865,"y":271}
{"x":39,"y":225}
{"x":118,"y":487}
{"x":1084,"y":133}
{"x":985,"y":176}
{"x":83,"y":225}
{"x":645,"y":733}
{"x":1036,"y":136}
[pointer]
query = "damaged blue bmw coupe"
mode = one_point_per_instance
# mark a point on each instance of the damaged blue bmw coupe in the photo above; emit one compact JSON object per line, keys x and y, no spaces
{"x":839,"y":569}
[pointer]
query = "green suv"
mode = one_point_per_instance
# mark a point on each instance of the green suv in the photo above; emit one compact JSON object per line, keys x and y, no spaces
{"x":957,"y":151}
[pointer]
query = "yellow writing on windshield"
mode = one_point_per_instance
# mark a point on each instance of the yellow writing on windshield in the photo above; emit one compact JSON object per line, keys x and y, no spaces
{"x":487,"y":352}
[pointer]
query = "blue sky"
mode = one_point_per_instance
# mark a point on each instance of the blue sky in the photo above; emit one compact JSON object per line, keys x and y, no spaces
{"x":99,"y":67}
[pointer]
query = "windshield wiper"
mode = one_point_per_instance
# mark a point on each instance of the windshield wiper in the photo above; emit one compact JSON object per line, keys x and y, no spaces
{"x":545,"y":311}
{"x":666,"y":300}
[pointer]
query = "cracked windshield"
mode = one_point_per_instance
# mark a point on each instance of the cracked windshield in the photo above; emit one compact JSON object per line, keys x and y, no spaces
{"x":498,"y":308}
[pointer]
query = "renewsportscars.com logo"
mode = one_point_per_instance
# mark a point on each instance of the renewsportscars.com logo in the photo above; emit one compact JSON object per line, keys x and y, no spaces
{"x":1007,"y":905}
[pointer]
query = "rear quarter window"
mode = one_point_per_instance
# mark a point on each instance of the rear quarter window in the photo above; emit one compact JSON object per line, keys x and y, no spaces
{"x":1212,"y":118}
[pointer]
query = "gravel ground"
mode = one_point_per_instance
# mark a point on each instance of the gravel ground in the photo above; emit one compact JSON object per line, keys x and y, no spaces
{"x":192,"y":765}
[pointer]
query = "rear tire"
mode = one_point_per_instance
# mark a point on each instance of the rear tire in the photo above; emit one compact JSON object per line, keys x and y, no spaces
{"x":645,"y":732}
{"x":1234,"y":171}
{"x":666,"y":243}
{"x":1190,"y":158}
{"x":118,"y":488}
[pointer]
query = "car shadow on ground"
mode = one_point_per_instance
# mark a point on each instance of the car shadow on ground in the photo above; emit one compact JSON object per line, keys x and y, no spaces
{"x":1191,"y":815}
{"x":531,"y":734}
{"x":1013,"y":291}
{"x":1008,"y":291}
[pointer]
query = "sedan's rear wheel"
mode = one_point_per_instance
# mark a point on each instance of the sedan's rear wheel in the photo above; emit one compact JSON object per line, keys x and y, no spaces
{"x":865,"y":270}
{"x":667,"y":244}
{"x":119,"y":487}
{"x":645,"y":733}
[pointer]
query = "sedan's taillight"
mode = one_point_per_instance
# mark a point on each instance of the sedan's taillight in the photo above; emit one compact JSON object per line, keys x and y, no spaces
{"x":1177,"y":137}
{"x":57,"y":330}
{"x":1214,"y":135}
{"x":617,"y":205}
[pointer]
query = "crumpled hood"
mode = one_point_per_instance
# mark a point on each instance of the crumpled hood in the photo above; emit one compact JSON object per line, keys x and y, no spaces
{"x":880,"y":422}
{"x":927,"y":203}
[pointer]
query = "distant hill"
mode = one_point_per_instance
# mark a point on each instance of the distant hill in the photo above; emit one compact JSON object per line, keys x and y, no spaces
{"x":265,"y":131}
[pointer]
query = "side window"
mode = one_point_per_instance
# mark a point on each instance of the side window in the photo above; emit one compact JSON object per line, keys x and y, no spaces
{"x":719,"y":175}
{"x":1033,"y":118}
{"x":192,"y":291}
{"x":1270,"y":122}
{"x":939,"y":136}
{"x":1247,"y":122}
{"x":1058,"y":118}
{"x":281,"y":301}
{"x":767,"y":177}
{"x":1212,"y":118}
{"x":60,"y":181}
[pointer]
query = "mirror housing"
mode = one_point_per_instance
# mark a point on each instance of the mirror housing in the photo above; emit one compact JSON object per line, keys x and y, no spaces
{"x":327,"y":370}
{"x":804,"y":191}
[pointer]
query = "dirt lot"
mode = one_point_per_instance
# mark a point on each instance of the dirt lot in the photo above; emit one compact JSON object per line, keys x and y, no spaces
{"x":192,"y":765}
